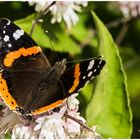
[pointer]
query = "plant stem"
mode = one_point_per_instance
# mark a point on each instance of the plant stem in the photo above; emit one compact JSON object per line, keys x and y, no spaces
{"x":121,"y":21}
{"x":121,"y":34}
{"x":79,"y":122}
{"x":40,"y":15}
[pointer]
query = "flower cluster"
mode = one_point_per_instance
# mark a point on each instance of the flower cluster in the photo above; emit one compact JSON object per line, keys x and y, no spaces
{"x":54,"y":124}
{"x":65,"y":10}
{"x":130,"y":8}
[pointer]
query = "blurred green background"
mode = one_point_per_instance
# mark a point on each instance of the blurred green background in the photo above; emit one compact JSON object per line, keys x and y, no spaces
{"x":84,"y":42}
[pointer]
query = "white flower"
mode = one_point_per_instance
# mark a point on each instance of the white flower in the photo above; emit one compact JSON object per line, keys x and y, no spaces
{"x":23,"y":132}
{"x":130,"y":8}
{"x":41,"y":5}
{"x":52,"y":125}
{"x":72,"y":102}
{"x":72,"y":127}
{"x":65,"y":10}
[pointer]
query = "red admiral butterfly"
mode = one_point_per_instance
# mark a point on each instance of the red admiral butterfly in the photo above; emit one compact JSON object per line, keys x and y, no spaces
{"x":28,"y":83}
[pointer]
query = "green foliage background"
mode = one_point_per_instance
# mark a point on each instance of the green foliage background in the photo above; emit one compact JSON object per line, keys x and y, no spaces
{"x":105,"y":101}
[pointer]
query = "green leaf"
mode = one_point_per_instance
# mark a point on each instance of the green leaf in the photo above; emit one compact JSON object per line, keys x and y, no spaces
{"x":38,"y":34}
{"x":133,"y":74}
{"x":83,"y":33}
{"x":109,"y":107}
{"x":84,"y":98}
{"x":60,"y":39}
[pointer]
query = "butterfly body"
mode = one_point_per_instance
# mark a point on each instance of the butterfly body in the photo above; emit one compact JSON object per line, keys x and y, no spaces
{"x":28,"y":83}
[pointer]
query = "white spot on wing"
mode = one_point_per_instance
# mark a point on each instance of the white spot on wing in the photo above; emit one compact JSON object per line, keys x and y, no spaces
{"x":90,"y":73}
{"x":8,"y":22}
{"x":6,"y":38}
{"x":84,"y":77}
{"x":95,"y":70}
{"x":9,"y":45}
{"x":100,"y":62}
{"x":18,"y":33}
{"x":4,"y":31}
{"x":91,"y":63}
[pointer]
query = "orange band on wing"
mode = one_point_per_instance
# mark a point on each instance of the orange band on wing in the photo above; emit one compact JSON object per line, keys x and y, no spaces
{"x":77,"y":77}
{"x":11,"y":56}
{"x":5,"y":95}
{"x":48,"y":107}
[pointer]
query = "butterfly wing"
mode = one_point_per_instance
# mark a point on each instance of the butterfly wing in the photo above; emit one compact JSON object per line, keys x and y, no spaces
{"x":23,"y":65}
{"x":16,"y":44}
{"x":77,"y":76}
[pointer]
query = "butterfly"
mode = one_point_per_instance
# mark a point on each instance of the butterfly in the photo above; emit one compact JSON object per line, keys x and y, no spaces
{"x":28,"y":83}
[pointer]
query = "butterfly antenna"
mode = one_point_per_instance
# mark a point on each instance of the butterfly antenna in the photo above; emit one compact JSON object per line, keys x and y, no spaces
{"x":84,"y":59}
{"x":52,"y":46}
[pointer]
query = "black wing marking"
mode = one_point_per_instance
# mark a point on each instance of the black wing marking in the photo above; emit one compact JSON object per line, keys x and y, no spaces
{"x":13,"y":38}
{"x":76,"y":77}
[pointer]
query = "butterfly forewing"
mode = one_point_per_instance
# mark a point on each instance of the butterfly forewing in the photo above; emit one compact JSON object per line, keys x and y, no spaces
{"x":76,"y":77}
{"x":14,"y":39}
